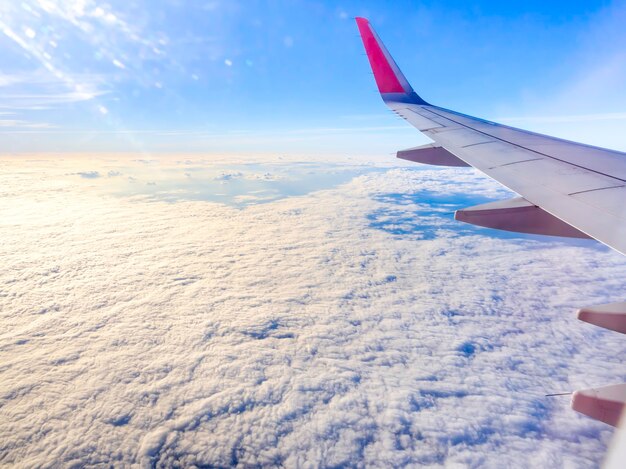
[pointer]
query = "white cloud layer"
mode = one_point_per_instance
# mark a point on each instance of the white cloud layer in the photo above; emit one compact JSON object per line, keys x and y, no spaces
{"x":310,"y":331}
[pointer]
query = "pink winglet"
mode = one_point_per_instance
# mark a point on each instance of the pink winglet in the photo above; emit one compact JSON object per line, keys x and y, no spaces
{"x":384,"y":74}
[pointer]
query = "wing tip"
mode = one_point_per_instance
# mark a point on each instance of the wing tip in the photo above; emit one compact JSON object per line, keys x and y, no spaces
{"x":391,"y":82}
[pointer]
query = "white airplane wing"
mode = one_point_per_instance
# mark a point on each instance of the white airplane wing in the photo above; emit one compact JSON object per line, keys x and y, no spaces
{"x":566,"y":188}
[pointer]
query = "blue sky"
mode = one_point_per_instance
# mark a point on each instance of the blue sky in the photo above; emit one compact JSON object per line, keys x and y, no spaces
{"x":291,"y":77}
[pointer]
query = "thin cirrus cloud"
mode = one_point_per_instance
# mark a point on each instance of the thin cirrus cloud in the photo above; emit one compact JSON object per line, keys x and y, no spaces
{"x":388,"y":335}
{"x":610,"y":116}
{"x":61,"y":37}
{"x":38,"y":90}
{"x":80,"y":58}
{"x":20,"y":124}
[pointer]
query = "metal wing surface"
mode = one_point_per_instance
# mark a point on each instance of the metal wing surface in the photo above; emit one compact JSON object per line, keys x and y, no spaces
{"x":566,"y":188}
{"x":581,"y":185}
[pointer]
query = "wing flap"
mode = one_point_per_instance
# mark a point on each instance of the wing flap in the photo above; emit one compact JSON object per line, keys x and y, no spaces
{"x":431,"y":154}
{"x":611,"y":316}
{"x":517,"y":215}
{"x":605,"y":404}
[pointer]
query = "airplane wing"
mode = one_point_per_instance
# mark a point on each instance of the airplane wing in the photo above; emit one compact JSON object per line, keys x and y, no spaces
{"x":565,"y":188}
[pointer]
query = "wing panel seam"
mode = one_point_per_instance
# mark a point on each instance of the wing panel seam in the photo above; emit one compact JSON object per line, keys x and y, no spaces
{"x":527,"y":149}
{"x":515,"y":162}
{"x":476,"y":144}
{"x":596,"y":190}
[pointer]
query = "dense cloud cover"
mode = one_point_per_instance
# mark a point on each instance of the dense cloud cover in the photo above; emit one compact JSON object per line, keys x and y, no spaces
{"x":352,"y":326}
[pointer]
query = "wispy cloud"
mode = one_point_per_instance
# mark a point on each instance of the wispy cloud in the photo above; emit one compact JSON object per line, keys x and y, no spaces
{"x":61,"y":38}
{"x":76,"y":88}
{"x":21,"y":124}
{"x":23,"y":94}
{"x":611,"y":116}
{"x":95,"y":54}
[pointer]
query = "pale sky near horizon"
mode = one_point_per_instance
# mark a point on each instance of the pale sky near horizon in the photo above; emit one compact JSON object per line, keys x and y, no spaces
{"x":290,"y":77}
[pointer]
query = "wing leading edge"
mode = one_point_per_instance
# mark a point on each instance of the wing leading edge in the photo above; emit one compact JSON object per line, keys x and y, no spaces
{"x":566,"y":188}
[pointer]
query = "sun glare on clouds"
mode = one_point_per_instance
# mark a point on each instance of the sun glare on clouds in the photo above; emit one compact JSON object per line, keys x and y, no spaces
{"x":322,"y":329}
